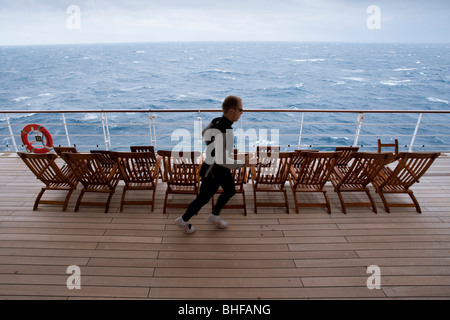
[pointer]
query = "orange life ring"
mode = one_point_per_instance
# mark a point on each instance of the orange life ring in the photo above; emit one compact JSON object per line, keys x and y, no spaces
{"x":47,"y":144}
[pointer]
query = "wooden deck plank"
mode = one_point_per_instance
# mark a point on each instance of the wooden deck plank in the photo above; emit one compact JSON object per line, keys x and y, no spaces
{"x":139,"y":254}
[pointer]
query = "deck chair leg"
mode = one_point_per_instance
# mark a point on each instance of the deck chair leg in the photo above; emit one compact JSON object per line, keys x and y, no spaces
{"x":153,"y":199}
{"x":254,"y":200}
{"x":66,"y":201}
{"x":286,"y":201}
{"x":341,"y":199}
{"x":296,"y":201}
{"x":374,"y":207}
{"x":122,"y":200}
{"x":385,"y":203}
{"x":77,"y":206}
{"x":245,"y":204}
{"x":327,"y":200}
{"x":38,"y":199}
{"x":165,"y":202}
{"x":108,"y":201}
{"x":416,"y":203}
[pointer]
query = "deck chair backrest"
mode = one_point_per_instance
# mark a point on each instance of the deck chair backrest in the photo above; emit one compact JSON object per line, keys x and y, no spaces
{"x":142,"y":149}
{"x":393,"y":145}
{"x":410,"y":168}
{"x":106,"y":157}
{"x":273,"y":169}
{"x":45,"y":168}
{"x":137,"y":167}
{"x":88,"y":168}
{"x":297,"y":160}
{"x":60,"y":150}
{"x":346,"y":155}
{"x":181,"y":168}
{"x":316,"y":168}
{"x":364,"y":168}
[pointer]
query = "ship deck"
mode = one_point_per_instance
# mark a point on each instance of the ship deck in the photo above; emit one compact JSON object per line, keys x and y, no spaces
{"x":139,"y":254}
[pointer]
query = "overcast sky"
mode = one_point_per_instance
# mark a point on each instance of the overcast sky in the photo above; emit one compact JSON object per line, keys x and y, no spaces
{"x":107,"y":21}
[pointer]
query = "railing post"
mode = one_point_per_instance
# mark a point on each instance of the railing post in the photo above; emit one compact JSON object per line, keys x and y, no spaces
{"x":11,"y":133}
{"x":105,"y":128}
{"x":301,"y":131}
{"x":65,"y":129}
{"x":198,"y":134}
{"x":416,"y":130}
{"x":151,"y":128}
{"x":149,"y":116}
{"x":360,"y":120}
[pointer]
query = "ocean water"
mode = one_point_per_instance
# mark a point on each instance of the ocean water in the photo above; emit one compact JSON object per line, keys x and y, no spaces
{"x":200,"y":75}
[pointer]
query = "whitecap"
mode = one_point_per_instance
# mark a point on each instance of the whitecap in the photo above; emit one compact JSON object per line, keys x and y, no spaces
{"x":44,"y":94}
{"x":395,"y":82}
{"x":308,"y":60}
{"x":404,"y":69}
{"x":431,"y":99}
{"x":18,"y":99}
{"x":354,"y":79}
{"x":139,"y":51}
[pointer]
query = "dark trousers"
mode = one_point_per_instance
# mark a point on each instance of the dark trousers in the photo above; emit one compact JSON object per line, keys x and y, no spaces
{"x":220,"y":177}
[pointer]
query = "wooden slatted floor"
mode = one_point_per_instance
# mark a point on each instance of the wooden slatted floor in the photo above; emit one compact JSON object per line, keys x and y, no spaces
{"x":138,"y":254}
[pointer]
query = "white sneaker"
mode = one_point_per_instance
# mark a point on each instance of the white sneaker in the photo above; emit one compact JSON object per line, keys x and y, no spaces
{"x":186,"y":226}
{"x":217,"y":221}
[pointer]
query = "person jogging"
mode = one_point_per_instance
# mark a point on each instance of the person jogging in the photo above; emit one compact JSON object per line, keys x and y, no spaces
{"x":216,"y":169}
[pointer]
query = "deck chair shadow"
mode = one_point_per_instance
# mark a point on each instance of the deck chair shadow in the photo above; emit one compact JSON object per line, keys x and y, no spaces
{"x":270,"y":175}
{"x":311,"y":176}
{"x":94,"y":176}
{"x":410,"y":168}
{"x":54,"y":177}
{"x":139,"y":172}
{"x":181,"y":172}
{"x":356,"y":177}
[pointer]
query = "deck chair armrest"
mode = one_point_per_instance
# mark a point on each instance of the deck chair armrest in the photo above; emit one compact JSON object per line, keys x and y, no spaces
{"x":253,"y":171}
{"x":113,"y":172}
{"x":157,"y":166}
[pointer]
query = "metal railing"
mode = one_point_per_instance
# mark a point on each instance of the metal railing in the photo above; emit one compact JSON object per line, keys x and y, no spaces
{"x":416,"y":130}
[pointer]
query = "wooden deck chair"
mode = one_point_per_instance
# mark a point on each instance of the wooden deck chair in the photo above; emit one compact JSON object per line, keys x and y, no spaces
{"x":356,"y":177}
{"x":345,"y":155}
{"x":139,"y":172}
{"x":94,"y":176}
{"x":106,"y":158}
{"x":240,"y":178}
{"x":60,"y":150}
{"x":181,"y":172}
{"x":148,"y":149}
{"x":45,"y":169}
{"x":297,"y":160}
{"x":312,"y":175}
{"x":410,"y":168}
{"x":270,"y":175}
{"x":142,"y":149}
{"x":388,"y":145}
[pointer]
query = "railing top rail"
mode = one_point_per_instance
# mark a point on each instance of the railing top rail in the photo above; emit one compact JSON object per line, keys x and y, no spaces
{"x":219,"y":110}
